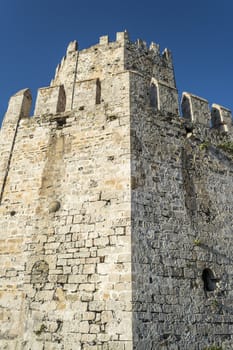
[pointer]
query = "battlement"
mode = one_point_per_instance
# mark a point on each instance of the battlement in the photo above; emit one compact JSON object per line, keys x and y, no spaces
{"x":221,"y":118}
{"x":196,"y":110}
{"x":91,"y":76}
{"x":19,"y":107}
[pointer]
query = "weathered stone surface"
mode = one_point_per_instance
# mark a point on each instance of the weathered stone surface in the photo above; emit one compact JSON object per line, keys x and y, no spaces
{"x":50,"y":100}
{"x":195,"y":108}
{"x":221,"y":118}
{"x":111,"y":208}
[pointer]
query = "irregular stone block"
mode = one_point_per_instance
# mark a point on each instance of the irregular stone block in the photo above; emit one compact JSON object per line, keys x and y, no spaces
{"x":104,"y":40}
{"x":122,"y":36}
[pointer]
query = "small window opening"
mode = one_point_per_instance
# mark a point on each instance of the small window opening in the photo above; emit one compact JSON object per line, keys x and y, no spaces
{"x":60,"y":122}
{"x":209,"y":280}
{"x":153,"y":96}
{"x":98,"y":92}
{"x":102,"y":259}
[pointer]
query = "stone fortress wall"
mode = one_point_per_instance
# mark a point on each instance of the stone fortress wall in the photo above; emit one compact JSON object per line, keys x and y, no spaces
{"x":115,"y":213}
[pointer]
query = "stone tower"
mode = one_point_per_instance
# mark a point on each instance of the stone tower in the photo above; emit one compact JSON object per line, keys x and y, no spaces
{"x":115,"y":212}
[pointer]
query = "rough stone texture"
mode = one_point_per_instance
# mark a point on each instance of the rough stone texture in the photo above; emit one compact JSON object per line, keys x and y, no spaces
{"x":181,"y":225}
{"x":166,"y":97}
{"x":112,"y":206}
{"x":50,"y":100}
{"x":221,"y":118}
{"x":195,"y":108}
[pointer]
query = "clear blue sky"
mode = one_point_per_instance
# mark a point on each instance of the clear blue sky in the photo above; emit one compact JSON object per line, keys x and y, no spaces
{"x":34,"y":35}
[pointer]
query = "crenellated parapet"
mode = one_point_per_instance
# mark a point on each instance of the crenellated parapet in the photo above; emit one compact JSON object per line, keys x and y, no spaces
{"x":19,"y":107}
{"x":221,"y":118}
{"x":97,"y":75}
{"x":150,"y":62}
{"x":164,"y":97}
{"x":50,"y":100}
{"x":197,"y":110}
{"x":79,"y":70}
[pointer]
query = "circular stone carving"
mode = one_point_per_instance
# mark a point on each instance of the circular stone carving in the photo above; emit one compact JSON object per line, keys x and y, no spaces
{"x":40,"y":272}
{"x":54,"y":206}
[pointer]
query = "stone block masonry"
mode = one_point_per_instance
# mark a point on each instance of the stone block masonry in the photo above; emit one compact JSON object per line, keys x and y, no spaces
{"x":115,"y":212}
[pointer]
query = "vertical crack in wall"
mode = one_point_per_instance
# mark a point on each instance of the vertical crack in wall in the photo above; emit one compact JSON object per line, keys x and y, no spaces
{"x":75,"y":77}
{"x":187,"y":159}
{"x":9,"y":161}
